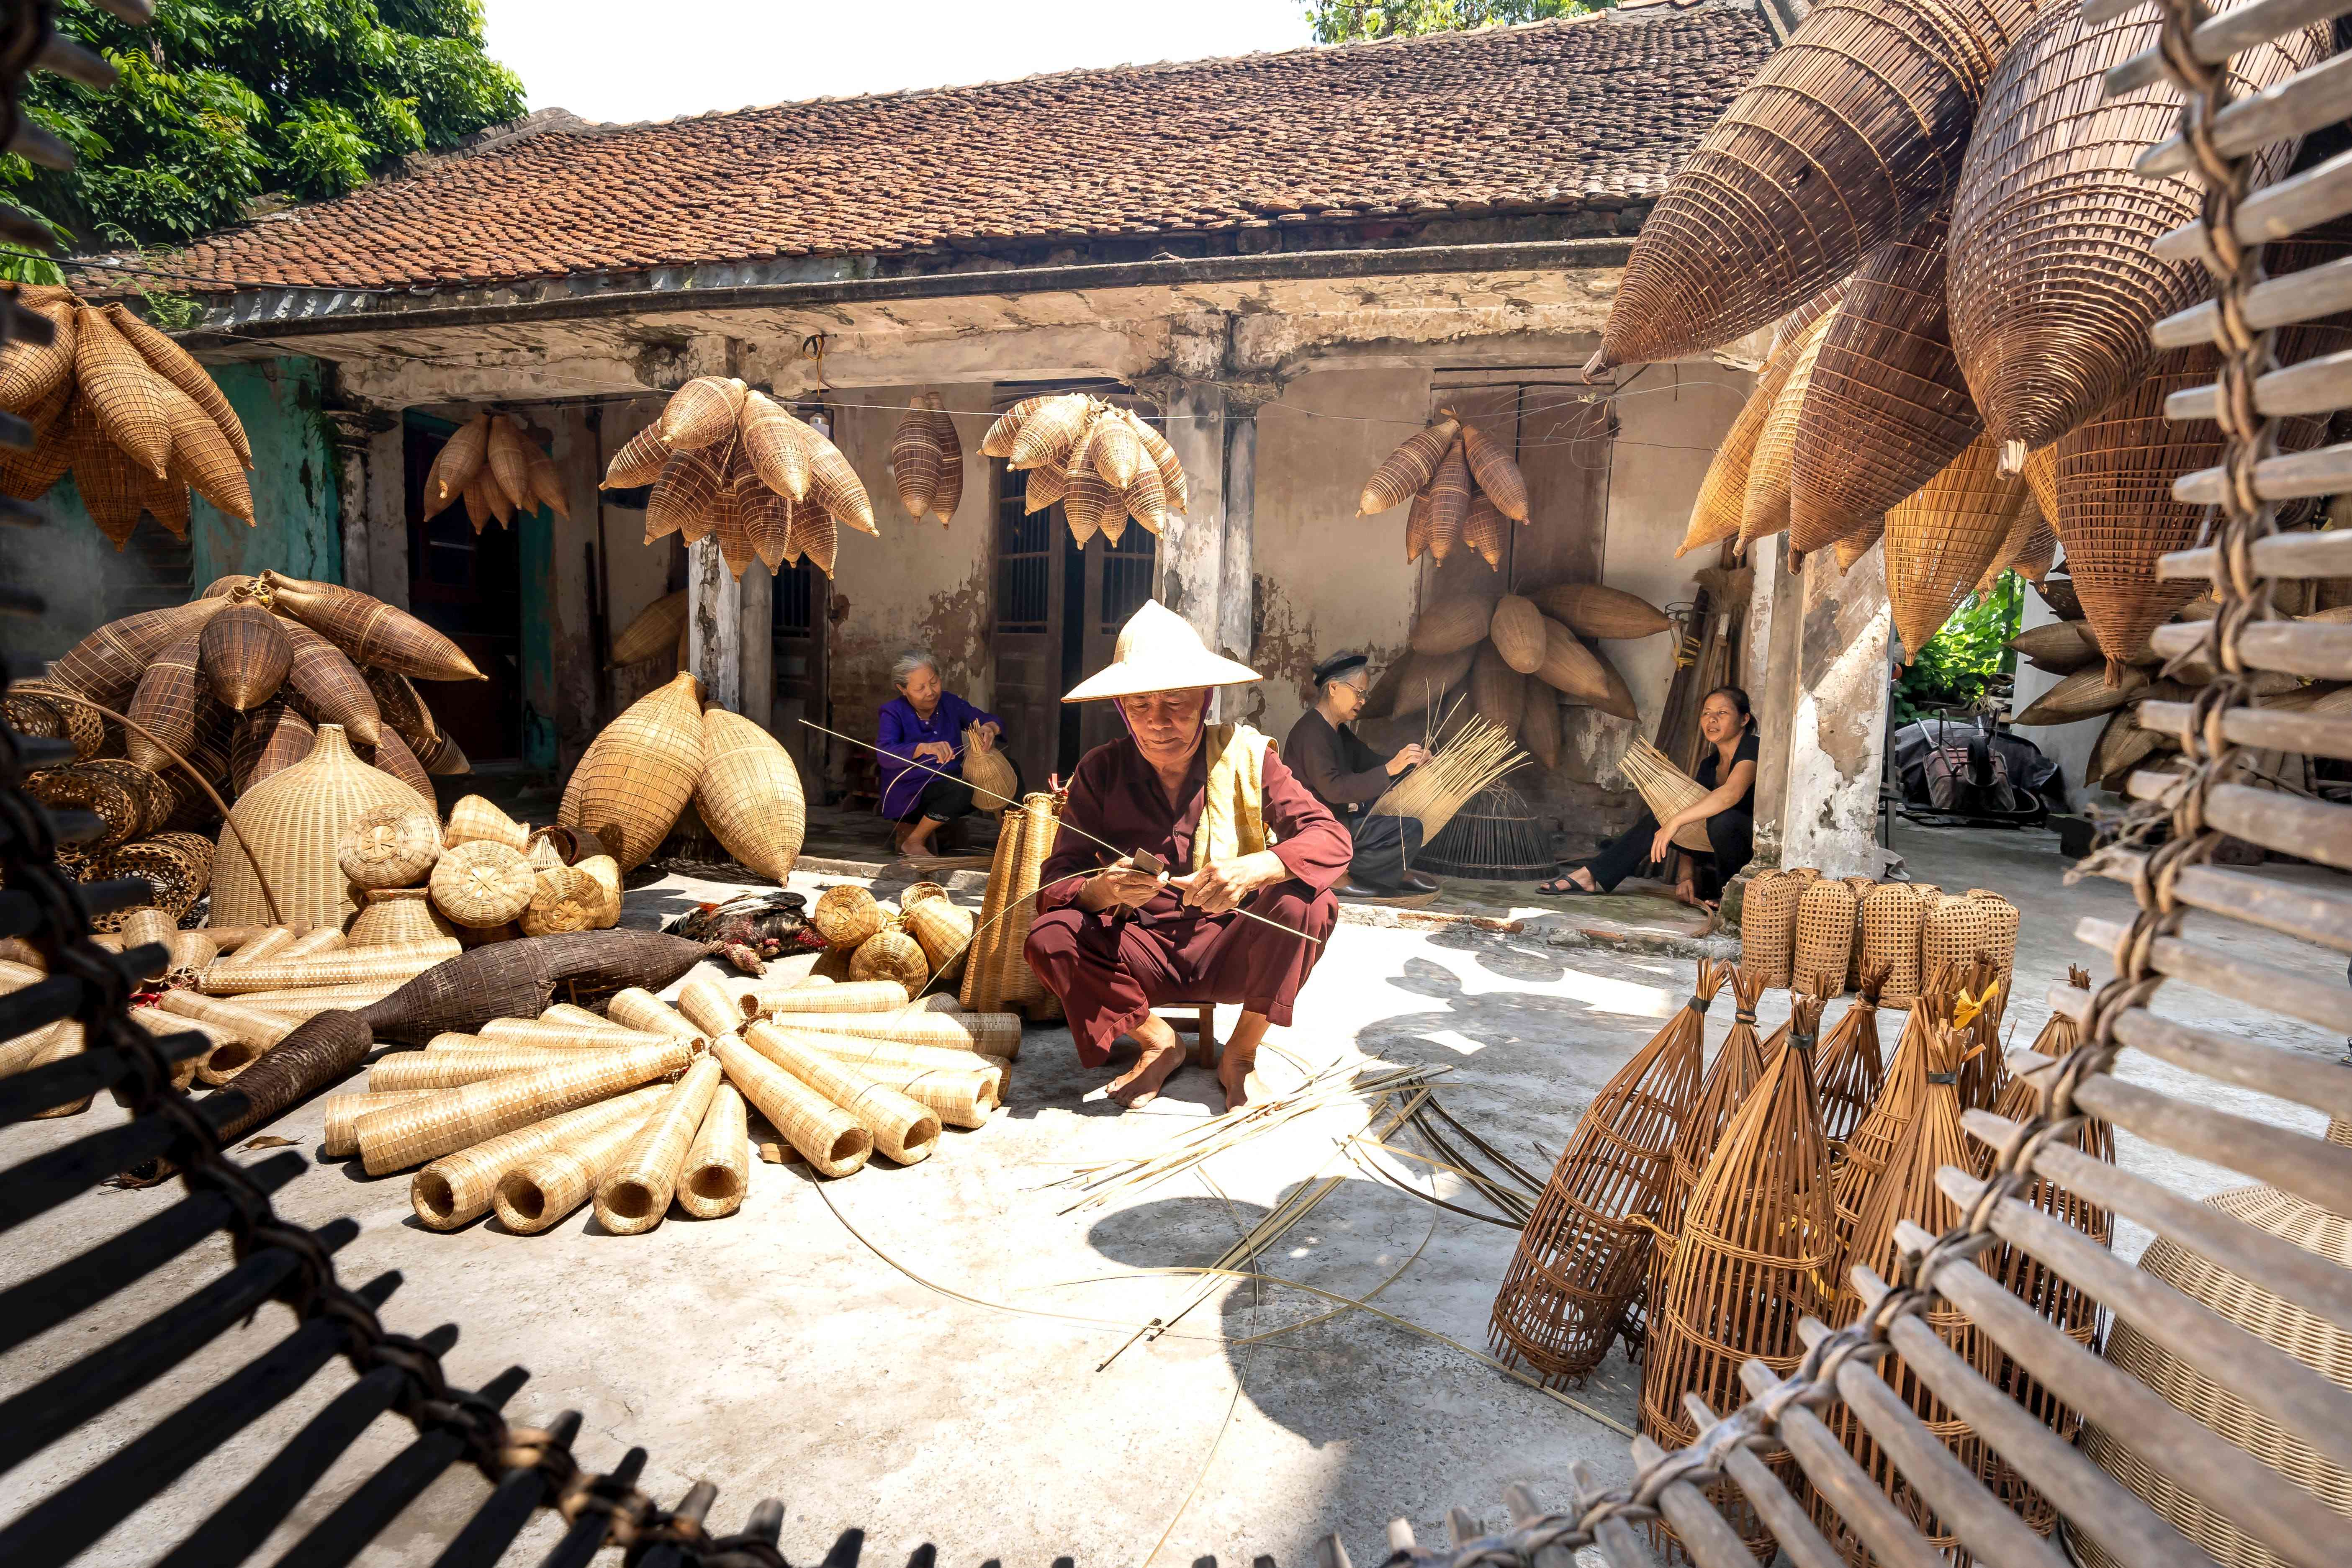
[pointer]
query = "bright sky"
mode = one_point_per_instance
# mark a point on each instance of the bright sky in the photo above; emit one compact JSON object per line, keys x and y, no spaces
{"x":607,"y":60}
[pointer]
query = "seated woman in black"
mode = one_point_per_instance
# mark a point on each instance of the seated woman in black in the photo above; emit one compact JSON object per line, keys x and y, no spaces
{"x":1727,"y":772}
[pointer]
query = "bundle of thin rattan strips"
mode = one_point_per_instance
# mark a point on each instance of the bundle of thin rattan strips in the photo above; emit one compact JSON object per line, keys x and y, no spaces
{"x":650,"y":1104}
{"x":1464,"y":488}
{"x":1104,"y":464}
{"x":137,"y":422}
{"x":727,"y":460}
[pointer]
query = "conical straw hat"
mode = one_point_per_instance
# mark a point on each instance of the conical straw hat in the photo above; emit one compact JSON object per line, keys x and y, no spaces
{"x":1157,"y":650}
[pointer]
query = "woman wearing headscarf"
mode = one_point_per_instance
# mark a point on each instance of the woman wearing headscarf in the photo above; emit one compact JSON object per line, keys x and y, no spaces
{"x":1347,"y":776}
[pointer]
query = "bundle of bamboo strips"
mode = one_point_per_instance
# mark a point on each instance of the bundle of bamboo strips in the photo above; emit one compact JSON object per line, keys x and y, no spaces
{"x":1476,"y":754}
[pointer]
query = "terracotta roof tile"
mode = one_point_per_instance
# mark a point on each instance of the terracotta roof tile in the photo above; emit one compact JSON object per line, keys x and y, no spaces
{"x":1551,"y":117}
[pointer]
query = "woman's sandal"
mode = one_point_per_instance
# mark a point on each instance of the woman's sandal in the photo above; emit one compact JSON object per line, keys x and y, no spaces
{"x":1566,"y":887}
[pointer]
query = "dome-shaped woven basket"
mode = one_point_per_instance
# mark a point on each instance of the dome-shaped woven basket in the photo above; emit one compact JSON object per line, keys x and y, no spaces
{"x":2106,"y":487}
{"x":1765,"y":509}
{"x":397,"y":917}
{"x":1891,"y":918}
{"x":639,"y":773}
{"x":1939,"y":541}
{"x":2319,"y":1344}
{"x":845,"y":916}
{"x":2053,"y":286}
{"x":482,"y":885}
{"x":390,"y":846}
{"x":562,"y":898}
{"x":891,"y":954}
{"x":292,"y":821}
{"x":1851,"y":134}
{"x":1768,"y":926}
{"x":1888,"y":407}
{"x":1822,"y":947}
{"x":1953,"y":931}
{"x":750,"y":794}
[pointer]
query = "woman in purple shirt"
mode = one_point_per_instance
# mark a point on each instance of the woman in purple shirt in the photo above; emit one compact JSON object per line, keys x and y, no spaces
{"x":924,"y":724}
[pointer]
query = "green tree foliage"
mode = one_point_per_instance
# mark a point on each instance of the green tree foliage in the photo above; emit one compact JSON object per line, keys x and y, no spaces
{"x":223,"y":103}
{"x":1970,"y":652}
{"x":1353,"y":21}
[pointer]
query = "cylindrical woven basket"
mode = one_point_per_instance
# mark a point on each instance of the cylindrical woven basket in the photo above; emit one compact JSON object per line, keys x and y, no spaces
{"x":322,"y":1051}
{"x":390,"y":967}
{"x":537,"y":1193}
{"x":717,"y":1171}
{"x":834,"y":1142}
{"x":750,"y":794}
{"x":959,"y":1099}
{"x":2054,"y":286}
{"x":1953,"y":931}
{"x":1851,"y":134}
{"x":1822,"y":943}
{"x":890,"y":954}
{"x":481,"y":884}
{"x":994,"y":1034}
{"x":1888,"y":407}
{"x":860,"y":997}
{"x":1767,"y":927}
{"x":639,"y":772}
{"x":336,"y":1139}
{"x":845,"y":916}
{"x":392,"y":846}
{"x":866,"y":1053}
{"x":461,"y":1187}
{"x":638,"y":1008}
{"x":632,"y":1196}
{"x":1941,"y":538}
{"x":1665,"y":789}
{"x":1583,"y":1254}
{"x":942,"y":927}
{"x":292,"y":822}
{"x":552,"y":1034}
{"x":1022,"y":988}
{"x":903,"y":1131}
{"x":455,"y":1068}
{"x":396,"y":917}
{"x":2001,"y":920}
{"x":474,"y":819}
{"x":984,"y":977}
{"x":2321,"y":1346}
{"x":404,"y":1135}
{"x":711,"y":1007}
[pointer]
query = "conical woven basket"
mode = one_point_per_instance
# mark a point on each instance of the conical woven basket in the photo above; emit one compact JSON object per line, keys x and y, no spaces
{"x":390,"y":846}
{"x":461,"y":1187}
{"x":1888,"y":408}
{"x":292,"y":822}
{"x":902,"y":1130}
{"x":2322,"y":1345}
{"x":370,"y":631}
{"x":1767,"y":927}
{"x":326,"y":687}
{"x":105,"y":665}
{"x":750,"y":794}
{"x":654,"y":631}
{"x":834,"y":1142}
{"x":717,"y":1171}
{"x":1823,"y":941}
{"x":2053,"y":287}
{"x":474,"y":819}
{"x":1939,"y":541}
{"x":1851,"y":134}
{"x":537,"y":1193}
{"x":709,"y":1007}
{"x":1665,"y":789}
{"x":1764,"y":511}
{"x":404,"y":1135}
{"x":1873,"y":1142}
{"x":1849,"y":1074}
{"x":890,"y":954}
{"x":322,"y":1051}
{"x":1582,"y":1255}
{"x":991,"y":776}
{"x":1739,"y":1063}
{"x":632,"y":1196}
{"x":983,"y":973}
{"x":639,"y":773}
{"x":244,"y":655}
{"x":171,"y":702}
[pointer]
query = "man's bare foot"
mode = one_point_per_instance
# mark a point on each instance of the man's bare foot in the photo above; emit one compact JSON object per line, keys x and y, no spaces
{"x":1140,"y":1084}
{"x":1233,"y":1070}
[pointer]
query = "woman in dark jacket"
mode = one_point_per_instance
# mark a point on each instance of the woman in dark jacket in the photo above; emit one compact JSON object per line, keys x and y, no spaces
{"x":1727,"y":772}
{"x":920,"y":761}
{"x":1347,"y":776}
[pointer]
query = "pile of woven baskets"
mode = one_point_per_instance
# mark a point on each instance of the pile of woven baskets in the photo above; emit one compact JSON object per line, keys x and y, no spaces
{"x":1102,"y":463}
{"x":497,"y":470}
{"x":1519,"y":658}
{"x":1465,"y":490}
{"x":137,"y":422}
{"x":223,"y":695}
{"x":915,"y":941}
{"x":726,"y":461}
{"x":1960,"y":358}
{"x":1805,"y":932}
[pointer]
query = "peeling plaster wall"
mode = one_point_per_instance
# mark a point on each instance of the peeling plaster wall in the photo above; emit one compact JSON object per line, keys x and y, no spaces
{"x":1837,"y":728}
{"x":920,"y":585}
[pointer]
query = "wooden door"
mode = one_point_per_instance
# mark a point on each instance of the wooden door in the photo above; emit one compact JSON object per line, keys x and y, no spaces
{"x":1118,"y":579}
{"x":797,"y":628}
{"x":1026,"y":640}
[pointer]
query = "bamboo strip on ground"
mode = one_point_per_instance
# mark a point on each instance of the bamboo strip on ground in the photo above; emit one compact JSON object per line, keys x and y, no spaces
{"x":460,"y":1187}
{"x":718,"y":1165}
{"x":632,"y":1196}
{"x":903,"y":1131}
{"x":827,"y":1137}
{"x":537,"y":1193}
{"x":401,"y":1135}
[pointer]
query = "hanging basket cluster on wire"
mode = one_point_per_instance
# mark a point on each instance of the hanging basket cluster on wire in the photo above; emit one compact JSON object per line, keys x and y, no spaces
{"x":1962,"y":358}
{"x":926,"y":460}
{"x":494,"y":468}
{"x":123,"y":408}
{"x":728,"y":461}
{"x":1105,"y":464}
{"x":1464,"y":489}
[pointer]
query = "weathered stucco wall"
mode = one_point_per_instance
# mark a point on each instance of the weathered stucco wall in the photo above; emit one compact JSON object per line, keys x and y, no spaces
{"x":1837,"y":725}
{"x":297,"y":507}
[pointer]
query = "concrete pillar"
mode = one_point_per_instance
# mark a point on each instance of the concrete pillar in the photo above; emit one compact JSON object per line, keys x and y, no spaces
{"x":1192,"y":580}
{"x":1837,"y":726}
{"x":757,"y":642}
{"x":714,"y":625}
{"x":1770,"y":676}
{"x":372,"y":488}
{"x":1237,"y":597}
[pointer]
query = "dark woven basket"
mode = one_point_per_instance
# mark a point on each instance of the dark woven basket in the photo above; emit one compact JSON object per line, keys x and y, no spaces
{"x":1494,"y":837}
{"x":517,"y":979}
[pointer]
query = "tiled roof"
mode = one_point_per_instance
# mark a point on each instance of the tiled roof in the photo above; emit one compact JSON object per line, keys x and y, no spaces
{"x":1553,"y":117}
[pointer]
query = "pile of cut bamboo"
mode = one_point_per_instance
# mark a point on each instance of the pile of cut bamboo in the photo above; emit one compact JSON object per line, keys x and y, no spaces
{"x":729,"y":461}
{"x":1465,"y":490}
{"x":1102,"y":463}
{"x":497,"y":470}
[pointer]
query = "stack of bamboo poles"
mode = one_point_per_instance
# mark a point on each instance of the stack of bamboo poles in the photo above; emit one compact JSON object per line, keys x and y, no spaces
{"x":648,"y":1103}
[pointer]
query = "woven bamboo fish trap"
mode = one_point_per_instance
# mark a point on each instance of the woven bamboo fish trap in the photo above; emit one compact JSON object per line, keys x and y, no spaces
{"x":390,"y":967}
{"x":1738,"y":1066}
{"x":1404,"y":472}
{"x":942,"y":927}
{"x":1822,"y":938}
{"x":2318,"y":1343}
{"x":1460,"y":768}
{"x":717,"y":1171}
{"x":880,"y":1057}
{"x":1849,"y":1075}
{"x":461,"y":1187}
{"x":834,"y":1142}
{"x":392,"y":846}
{"x":1021,"y":989}
{"x":2001,"y":922}
{"x":1722,"y":502}
{"x":176,"y":867}
{"x":902,"y":1130}
{"x":327,"y":688}
{"x":474,"y":818}
{"x":1764,"y":511}
{"x":652,"y":633}
{"x":957,"y":1099}
{"x":336,"y":1139}
{"x":1888,"y":408}
{"x":845,"y":915}
{"x":1941,"y":539}
{"x":320,"y":1052}
{"x":171,"y":702}
{"x":1953,"y":931}
{"x":244,"y":655}
{"x":1906,"y":1189}
{"x":517,"y":979}
{"x":1900,"y":1098}
{"x":482,"y":885}
{"x":1582,"y":1255}
{"x":984,"y":976}
{"x":292,"y":822}
{"x":1449,"y":502}
{"x":2106,"y":487}
{"x":105,"y":665}
{"x":1665,"y":789}
{"x":423,"y":1131}
{"x":1767,"y":927}
{"x":632,"y":1196}
{"x":638,"y":1008}
{"x":890,"y":954}
{"x":750,"y":794}
{"x":370,"y":631}
{"x":117,"y":792}
{"x":864,"y":997}
{"x":539,"y":1192}
{"x":2054,"y":286}
{"x":270,"y":739}
{"x":451,"y":1069}
{"x":1751,"y":1260}
{"x":551,"y":1033}
{"x":1850,"y":136}
{"x":639,"y":772}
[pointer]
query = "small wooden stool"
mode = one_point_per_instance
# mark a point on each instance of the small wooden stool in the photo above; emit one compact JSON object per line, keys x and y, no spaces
{"x":1198,"y":1019}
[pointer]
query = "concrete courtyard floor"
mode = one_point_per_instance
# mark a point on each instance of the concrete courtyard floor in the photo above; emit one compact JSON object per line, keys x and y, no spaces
{"x":918,"y":1352}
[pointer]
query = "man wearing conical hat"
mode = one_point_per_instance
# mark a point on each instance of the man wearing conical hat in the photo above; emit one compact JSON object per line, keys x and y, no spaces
{"x":1236,"y":834}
